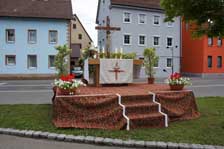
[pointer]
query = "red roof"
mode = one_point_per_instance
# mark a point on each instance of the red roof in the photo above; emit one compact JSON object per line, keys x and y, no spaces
{"x":57,"y":9}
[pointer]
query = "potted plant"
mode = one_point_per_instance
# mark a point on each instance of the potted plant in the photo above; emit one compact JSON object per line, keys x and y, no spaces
{"x":67,"y":85}
{"x":177,"y":82}
{"x":150,"y":59}
{"x":62,"y":60}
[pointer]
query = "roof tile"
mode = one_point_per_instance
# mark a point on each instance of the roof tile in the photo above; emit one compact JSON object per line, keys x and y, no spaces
{"x":57,"y":9}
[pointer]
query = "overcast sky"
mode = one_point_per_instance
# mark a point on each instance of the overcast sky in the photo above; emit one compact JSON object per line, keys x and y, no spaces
{"x":86,"y":11}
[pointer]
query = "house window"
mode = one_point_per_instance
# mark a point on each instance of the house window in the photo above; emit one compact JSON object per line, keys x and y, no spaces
{"x":127,"y":39}
{"x":142,"y":19}
{"x":10,"y":35}
{"x":169,"y":62}
{"x":219,"y":41}
{"x":53,"y":37}
{"x":169,"y":41}
{"x":32,"y":36}
{"x":156,"y":65}
{"x":80,"y":36}
{"x":210,"y":41}
{"x":142,"y":39}
{"x":156,"y":41}
{"x":170,"y":24}
{"x":32,"y":61}
{"x":74,"y":26}
{"x":127,"y":17}
{"x":209,"y":61}
{"x":156,"y":20}
{"x":219,"y":61}
{"x":51,"y":61}
{"x":10,"y":60}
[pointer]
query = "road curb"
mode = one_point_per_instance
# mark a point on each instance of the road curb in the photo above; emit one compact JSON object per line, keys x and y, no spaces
{"x":103,"y":141}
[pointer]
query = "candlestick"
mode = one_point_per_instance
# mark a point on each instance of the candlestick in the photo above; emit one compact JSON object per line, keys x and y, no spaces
{"x":103,"y":52}
{"x":121,"y":52}
{"x":116,"y":52}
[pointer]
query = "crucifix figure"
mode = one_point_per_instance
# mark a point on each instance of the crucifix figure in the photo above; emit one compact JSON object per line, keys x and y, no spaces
{"x":116,"y":70}
{"x":108,"y":30}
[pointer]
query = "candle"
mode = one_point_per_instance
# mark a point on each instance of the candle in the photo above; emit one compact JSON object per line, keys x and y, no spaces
{"x":121,"y":53}
{"x":103,"y":52}
{"x":121,"y":50}
{"x":116,"y":50}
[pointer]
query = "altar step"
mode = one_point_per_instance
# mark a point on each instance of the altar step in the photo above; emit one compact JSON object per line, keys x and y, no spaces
{"x":143,"y":112}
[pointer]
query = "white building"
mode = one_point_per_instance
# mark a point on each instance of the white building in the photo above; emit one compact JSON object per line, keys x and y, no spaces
{"x":142,"y":26}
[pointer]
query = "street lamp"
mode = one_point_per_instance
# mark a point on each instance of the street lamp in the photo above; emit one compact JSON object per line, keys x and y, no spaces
{"x":172,"y":51}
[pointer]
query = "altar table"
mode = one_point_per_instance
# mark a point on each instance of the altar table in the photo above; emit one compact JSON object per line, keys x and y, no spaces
{"x":96,"y":63}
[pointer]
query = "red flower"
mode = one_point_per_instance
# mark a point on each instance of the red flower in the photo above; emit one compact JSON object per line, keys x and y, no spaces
{"x":68,"y":78}
{"x":175,"y":76}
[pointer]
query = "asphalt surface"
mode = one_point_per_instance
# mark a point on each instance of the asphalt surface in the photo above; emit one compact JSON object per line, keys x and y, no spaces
{"x":12,"y":142}
{"x":40,"y":91}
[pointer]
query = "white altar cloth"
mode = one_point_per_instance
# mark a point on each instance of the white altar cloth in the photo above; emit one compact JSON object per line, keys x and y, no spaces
{"x":116,"y":71}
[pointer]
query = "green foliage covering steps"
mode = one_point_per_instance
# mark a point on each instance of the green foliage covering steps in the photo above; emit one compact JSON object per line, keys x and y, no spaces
{"x":208,"y":129}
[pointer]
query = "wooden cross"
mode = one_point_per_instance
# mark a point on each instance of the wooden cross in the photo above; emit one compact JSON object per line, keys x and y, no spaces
{"x":108,"y":30}
{"x":116,"y":70}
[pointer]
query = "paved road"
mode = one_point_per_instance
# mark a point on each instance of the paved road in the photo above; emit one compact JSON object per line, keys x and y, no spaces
{"x":12,"y":142}
{"x":40,"y":91}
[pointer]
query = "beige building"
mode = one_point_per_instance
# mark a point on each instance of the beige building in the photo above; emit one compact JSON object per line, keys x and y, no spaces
{"x":80,"y":39}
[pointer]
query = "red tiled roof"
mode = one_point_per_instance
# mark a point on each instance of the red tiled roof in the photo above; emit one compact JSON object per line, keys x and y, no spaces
{"x":151,"y":4}
{"x":58,"y":9}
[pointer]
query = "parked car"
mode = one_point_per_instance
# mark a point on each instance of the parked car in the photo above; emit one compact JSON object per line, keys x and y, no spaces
{"x":77,"y":71}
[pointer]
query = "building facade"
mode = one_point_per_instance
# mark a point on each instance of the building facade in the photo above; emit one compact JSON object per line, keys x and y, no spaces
{"x":142,"y":26}
{"x":80,"y":39}
{"x":202,"y":57}
{"x":28,"y":38}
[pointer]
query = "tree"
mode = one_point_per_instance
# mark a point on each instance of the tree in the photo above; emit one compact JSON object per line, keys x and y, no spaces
{"x":207,"y":16}
{"x":61,"y":59}
{"x":150,"y":60}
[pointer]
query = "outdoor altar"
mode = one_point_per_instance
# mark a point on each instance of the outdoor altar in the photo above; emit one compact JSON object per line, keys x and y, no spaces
{"x":118,"y":106}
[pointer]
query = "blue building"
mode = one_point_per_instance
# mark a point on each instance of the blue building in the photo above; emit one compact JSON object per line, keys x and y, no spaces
{"x":29,"y":32}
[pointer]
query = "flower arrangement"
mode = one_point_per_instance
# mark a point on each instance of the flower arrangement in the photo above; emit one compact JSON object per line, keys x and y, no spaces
{"x":68,"y":84}
{"x":177,"y":82}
